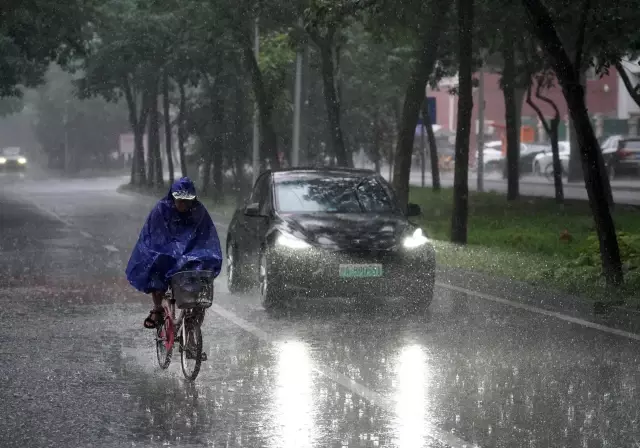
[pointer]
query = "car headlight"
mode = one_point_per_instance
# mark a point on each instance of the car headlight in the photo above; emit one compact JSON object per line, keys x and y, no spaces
{"x":416,"y":240}
{"x":3,"y":160}
{"x":291,"y":242}
{"x":22,"y":161}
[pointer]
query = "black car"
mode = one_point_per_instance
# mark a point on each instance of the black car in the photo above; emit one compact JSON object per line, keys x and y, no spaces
{"x":328,"y":232}
{"x":622,"y":156}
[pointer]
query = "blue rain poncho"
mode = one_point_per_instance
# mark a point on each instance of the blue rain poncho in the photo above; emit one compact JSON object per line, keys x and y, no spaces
{"x":171,"y":241}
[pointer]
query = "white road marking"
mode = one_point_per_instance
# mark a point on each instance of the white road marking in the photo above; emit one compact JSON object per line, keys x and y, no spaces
{"x":111,"y":248}
{"x":49,"y":212}
{"x":533,"y":309}
{"x":85,"y":234}
{"x":343,"y":380}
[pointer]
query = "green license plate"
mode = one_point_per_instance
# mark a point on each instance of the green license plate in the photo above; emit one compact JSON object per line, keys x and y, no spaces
{"x":360,"y":270}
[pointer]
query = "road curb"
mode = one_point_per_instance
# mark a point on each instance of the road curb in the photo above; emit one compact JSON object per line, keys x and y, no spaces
{"x":576,"y":185}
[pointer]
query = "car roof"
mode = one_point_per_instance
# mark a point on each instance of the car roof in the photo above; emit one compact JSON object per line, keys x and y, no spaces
{"x":331,"y":171}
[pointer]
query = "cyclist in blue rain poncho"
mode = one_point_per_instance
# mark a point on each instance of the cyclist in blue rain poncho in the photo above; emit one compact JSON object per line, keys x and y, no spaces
{"x":179,"y":234}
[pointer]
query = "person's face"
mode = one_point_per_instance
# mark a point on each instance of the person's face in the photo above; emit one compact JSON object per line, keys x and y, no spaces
{"x":183,"y":205}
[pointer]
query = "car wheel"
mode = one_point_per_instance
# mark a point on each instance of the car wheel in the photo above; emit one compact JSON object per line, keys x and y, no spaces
{"x":536,"y":169}
{"x":421,"y":296}
{"x":236,"y":280}
{"x":272,"y":293}
{"x":548,"y":172}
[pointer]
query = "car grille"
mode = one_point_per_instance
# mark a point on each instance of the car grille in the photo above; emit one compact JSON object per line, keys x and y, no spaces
{"x":12,"y":164}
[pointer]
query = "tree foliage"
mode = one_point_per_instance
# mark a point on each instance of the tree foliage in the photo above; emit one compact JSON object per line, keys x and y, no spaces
{"x":35,"y":33}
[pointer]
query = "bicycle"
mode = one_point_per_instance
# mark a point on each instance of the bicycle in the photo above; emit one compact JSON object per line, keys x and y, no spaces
{"x":192,"y":293}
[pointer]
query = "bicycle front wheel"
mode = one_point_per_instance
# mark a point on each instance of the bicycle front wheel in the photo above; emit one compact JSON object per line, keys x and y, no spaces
{"x":191,"y":353}
{"x":164,"y":343}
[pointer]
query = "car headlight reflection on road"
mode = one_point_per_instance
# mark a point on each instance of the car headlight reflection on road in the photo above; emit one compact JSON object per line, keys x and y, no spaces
{"x":291,"y":242}
{"x":416,"y":240}
{"x":22,"y":161}
{"x":3,"y":160}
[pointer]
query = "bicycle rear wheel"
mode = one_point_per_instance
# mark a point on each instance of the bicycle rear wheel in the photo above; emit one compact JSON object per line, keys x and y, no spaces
{"x":164,"y":343}
{"x":191,"y":349}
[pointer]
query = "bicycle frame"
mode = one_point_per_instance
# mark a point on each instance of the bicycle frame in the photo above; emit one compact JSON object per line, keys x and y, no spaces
{"x":175,"y":324}
{"x":169,"y":306}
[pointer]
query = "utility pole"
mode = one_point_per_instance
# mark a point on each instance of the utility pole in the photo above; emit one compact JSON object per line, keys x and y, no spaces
{"x":480,"y":153}
{"x":256,"y":112}
{"x":297,"y":106}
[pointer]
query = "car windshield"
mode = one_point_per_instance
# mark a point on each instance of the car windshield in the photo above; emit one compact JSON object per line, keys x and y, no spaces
{"x":332,"y":194}
{"x":10,"y":152}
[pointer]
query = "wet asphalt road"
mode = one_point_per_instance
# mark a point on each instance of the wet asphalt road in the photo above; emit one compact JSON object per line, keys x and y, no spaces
{"x":78,"y":370}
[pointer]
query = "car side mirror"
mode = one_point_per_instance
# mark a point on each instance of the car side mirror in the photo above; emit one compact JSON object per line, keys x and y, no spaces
{"x":252,"y":210}
{"x":413,"y":210}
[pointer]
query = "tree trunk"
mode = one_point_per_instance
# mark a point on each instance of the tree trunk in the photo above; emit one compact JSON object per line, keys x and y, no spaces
{"x":239,"y":138}
{"x":138,"y":125}
{"x":151,"y":158}
{"x":433,"y":151}
{"x":265,"y":106}
{"x":167,"y":126}
{"x":465,"y":108}
{"x":575,"y":173}
{"x":414,"y":99}
{"x":589,"y":147}
{"x":511,"y":118}
{"x":155,"y":165}
{"x":305,"y":112}
{"x":182,"y":131}
{"x":377,"y":131}
{"x":206,"y":169}
{"x":551,"y":129}
{"x":557,"y":163}
{"x":138,"y":157}
{"x":218,"y":148}
{"x":332,"y":103}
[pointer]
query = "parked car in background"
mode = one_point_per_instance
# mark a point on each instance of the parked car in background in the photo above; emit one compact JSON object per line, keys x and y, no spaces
{"x":492,"y":156}
{"x":495,"y":161}
{"x":12,"y":160}
{"x":622,"y":156}
{"x":528,"y":152}
{"x":543,"y":162}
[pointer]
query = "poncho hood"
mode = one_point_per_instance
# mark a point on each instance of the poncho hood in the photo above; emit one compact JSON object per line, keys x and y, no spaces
{"x":183,"y":188}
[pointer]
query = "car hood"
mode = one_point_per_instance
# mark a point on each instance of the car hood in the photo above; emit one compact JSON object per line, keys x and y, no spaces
{"x":347,"y":231}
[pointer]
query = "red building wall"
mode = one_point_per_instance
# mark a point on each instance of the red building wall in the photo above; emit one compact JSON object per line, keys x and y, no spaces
{"x":601,"y":96}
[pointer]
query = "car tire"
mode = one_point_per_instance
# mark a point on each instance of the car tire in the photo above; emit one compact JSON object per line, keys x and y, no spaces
{"x":536,"y":169}
{"x":272,"y":293}
{"x":420,"y":297}
{"x":236,"y":279}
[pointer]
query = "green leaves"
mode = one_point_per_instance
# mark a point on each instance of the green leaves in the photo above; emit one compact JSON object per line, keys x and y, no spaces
{"x":35,"y":33}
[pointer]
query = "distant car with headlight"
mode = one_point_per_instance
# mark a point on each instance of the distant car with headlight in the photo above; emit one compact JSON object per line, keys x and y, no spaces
{"x":12,"y":160}
{"x":328,"y":232}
